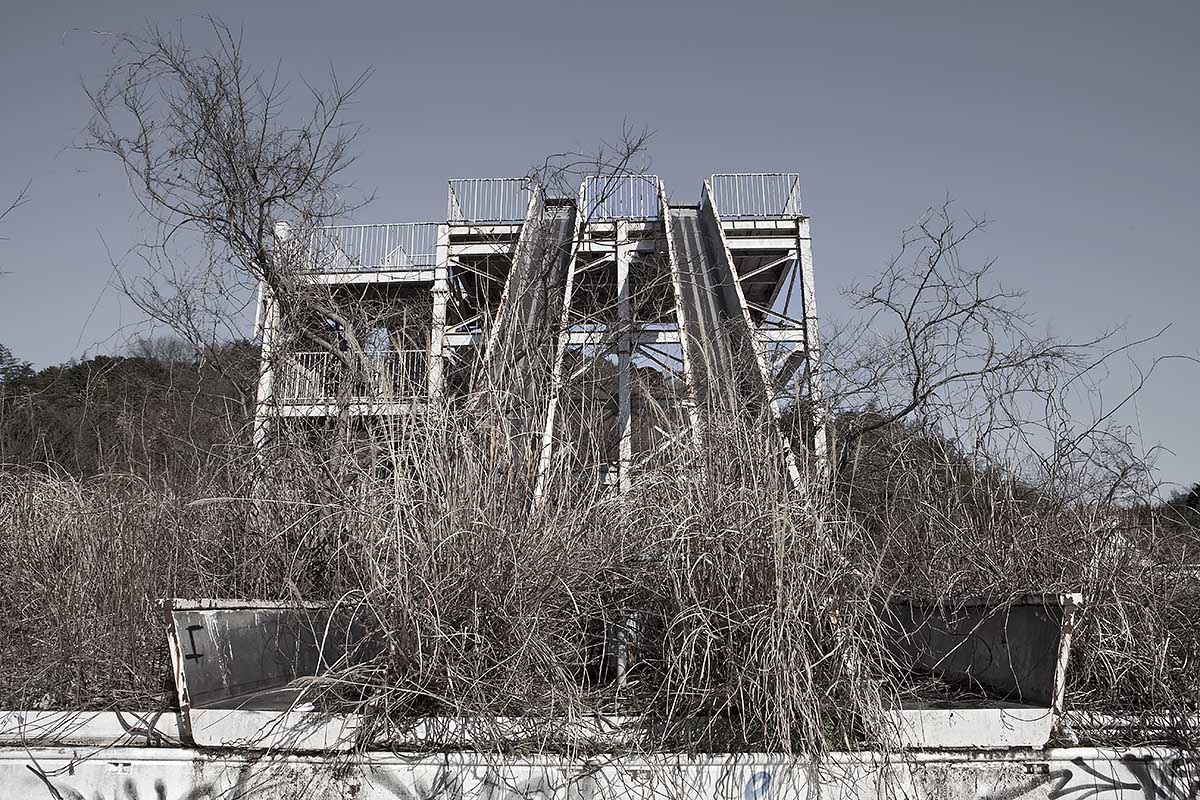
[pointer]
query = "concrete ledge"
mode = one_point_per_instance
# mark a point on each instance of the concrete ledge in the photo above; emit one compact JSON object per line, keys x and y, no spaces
{"x":973,"y":728}
{"x":299,"y":731}
{"x":1135,"y":774}
{"x":90,"y":728}
{"x":306,"y":730}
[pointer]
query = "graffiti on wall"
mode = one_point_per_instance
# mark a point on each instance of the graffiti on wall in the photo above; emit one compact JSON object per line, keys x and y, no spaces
{"x":1131,"y":776}
{"x":1123,"y":776}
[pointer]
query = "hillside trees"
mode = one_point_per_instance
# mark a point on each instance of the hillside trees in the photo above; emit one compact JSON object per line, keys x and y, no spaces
{"x":117,"y":413}
{"x":12,"y":368}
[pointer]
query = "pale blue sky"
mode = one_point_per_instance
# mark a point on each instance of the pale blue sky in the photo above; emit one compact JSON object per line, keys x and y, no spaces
{"x":1072,"y":126}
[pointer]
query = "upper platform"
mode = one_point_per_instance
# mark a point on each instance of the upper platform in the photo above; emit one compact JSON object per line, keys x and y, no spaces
{"x":496,"y":208}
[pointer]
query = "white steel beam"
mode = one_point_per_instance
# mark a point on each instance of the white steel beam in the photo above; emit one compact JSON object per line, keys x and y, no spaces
{"x":522,"y":254}
{"x":782,"y":335}
{"x":786,"y":276}
{"x":460,"y":230}
{"x":601,"y":334}
{"x":758,"y":346}
{"x":737,"y":244}
{"x":484,"y":248}
{"x":268,"y":317}
{"x":692,"y":410}
{"x":624,"y":360}
{"x":546,"y":452}
{"x":791,"y":256}
{"x":437,"y":333}
{"x":347,"y":277}
{"x":812,"y":346}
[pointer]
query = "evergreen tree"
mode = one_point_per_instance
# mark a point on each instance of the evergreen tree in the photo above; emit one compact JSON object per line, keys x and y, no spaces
{"x":13,"y":369}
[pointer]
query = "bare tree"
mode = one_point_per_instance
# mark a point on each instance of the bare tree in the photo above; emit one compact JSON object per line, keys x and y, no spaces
{"x":943,"y":374}
{"x":21,"y":199}
{"x":218,"y":153}
{"x":12,"y":367}
{"x":938,"y":338}
{"x":221,"y":151}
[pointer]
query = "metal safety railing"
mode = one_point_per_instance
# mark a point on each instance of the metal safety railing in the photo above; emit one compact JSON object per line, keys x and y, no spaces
{"x":319,"y":377}
{"x":488,"y":200}
{"x":349,"y":248}
{"x":757,"y":194}
{"x":620,"y":197}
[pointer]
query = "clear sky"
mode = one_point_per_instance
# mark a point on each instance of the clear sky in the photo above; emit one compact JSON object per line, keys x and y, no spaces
{"x":1074,"y":127}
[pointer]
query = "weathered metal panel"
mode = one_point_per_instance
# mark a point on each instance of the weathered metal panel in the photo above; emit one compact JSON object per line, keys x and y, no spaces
{"x":226,"y":654}
{"x":253,"y":653}
{"x":1014,"y":651}
{"x":707,"y":320}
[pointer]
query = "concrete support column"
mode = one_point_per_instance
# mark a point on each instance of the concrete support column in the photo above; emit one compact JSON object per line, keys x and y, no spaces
{"x":546,"y":452}
{"x":624,"y":359}
{"x":268,"y":326}
{"x":691,"y":405}
{"x":812,"y":351}
{"x":441,"y":299}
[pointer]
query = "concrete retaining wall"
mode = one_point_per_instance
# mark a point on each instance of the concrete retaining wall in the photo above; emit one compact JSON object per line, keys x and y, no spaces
{"x":167,"y":773}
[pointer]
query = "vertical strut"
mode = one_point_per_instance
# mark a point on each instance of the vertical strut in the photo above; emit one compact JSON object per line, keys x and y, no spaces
{"x":681,"y":317}
{"x":556,"y":381}
{"x":518,"y":274}
{"x":757,"y":345}
{"x":268,"y":324}
{"x":441,"y":297}
{"x":624,"y":358}
{"x":812,"y":349}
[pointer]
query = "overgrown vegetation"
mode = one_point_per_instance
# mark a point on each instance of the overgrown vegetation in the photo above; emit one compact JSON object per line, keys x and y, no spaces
{"x":746,"y":607}
{"x":751,"y":605}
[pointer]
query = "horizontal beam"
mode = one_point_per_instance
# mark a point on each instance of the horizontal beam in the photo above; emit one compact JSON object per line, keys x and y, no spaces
{"x":585,"y":337}
{"x":286,"y":409}
{"x":474,"y":229}
{"x":648,"y":245}
{"x":420,"y":275}
{"x":781,"y":335}
{"x":756,"y":243}
{"x":640,"y":337}
{"x":462,"y":339}
{"x":759,"y":224}
{"x":483,"y":249}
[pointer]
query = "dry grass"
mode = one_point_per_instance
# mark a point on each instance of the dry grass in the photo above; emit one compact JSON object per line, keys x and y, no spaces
{"x":83,"y":561}
{"x":749,"y":606}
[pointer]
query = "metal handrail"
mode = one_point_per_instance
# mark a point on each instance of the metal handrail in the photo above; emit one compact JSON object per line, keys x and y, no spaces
{"x":488,"y":200}
{"x":320,"y":377}
{"x":621,"y":197}
{"x":757,"y":194}
{"x":350,"y":248}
